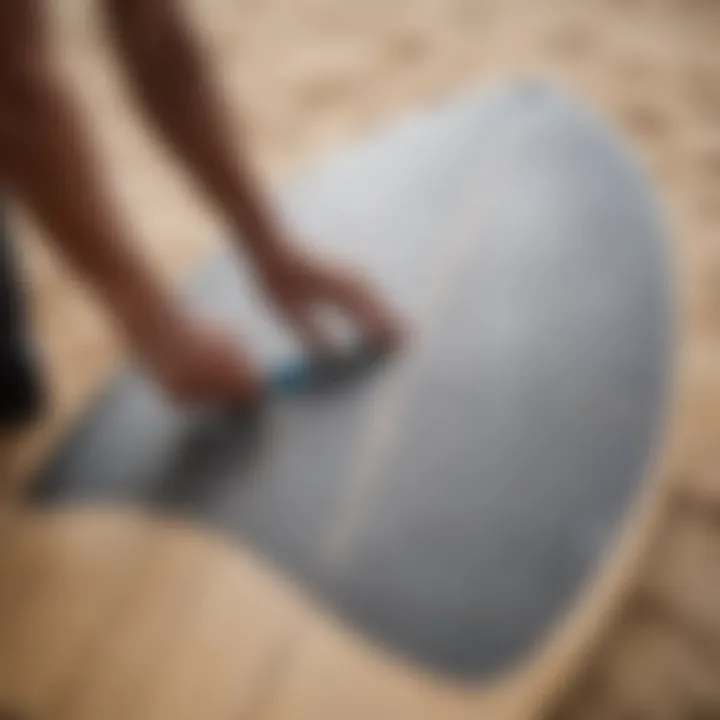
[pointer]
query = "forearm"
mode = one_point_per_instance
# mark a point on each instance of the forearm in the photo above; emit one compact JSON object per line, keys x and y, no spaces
{"x":47,"y":163}
{"x":171,"y":77}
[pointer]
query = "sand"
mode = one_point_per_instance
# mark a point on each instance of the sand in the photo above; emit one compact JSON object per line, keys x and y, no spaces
{"x":307,"y":76}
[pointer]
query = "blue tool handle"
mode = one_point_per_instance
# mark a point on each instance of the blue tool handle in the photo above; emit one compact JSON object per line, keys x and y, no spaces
{"x":307,"y":373}
{"x":291,"y":377}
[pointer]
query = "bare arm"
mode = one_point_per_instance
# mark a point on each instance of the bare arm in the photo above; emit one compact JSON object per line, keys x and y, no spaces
{"x":169,"y":72}
{"x":48,"y":162}
{"x":174,"y":83}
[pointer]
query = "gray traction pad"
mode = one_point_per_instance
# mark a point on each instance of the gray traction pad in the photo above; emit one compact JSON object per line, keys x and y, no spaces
{"x":451,"y":504}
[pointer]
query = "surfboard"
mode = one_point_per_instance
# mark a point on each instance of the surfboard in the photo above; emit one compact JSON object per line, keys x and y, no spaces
{"x":452,"y":503}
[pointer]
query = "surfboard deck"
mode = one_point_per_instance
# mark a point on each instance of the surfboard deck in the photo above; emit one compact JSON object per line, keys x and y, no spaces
{"x":452,"y":503}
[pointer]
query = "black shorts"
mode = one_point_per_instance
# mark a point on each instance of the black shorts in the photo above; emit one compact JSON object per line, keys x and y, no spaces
{"x":20,"y":388}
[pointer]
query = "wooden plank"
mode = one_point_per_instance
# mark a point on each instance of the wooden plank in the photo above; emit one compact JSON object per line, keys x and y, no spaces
{"x":337,"y":675}
{"x":203,"y":628}
{"x":61,"y":580}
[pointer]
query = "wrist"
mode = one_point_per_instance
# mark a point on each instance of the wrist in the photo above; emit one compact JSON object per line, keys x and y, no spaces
{"x":271,"y":254}
{"x":145,"y":316}
{"x":262,"y":236}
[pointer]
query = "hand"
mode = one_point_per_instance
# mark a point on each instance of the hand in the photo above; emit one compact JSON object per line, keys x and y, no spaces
{"x":299,"y":285}
{"x":195,"y":362}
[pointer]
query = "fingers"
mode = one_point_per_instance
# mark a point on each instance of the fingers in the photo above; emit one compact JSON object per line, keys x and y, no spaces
{"x":365,"y":308}
{"x":300,"y":286}
{"x":234,"y":381}
{"x":307,"y":325}
{"x":203,"y":365}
